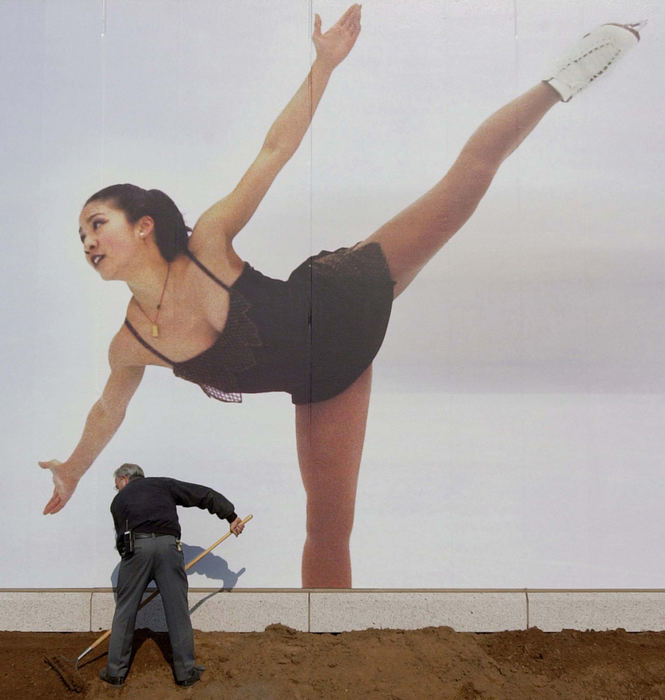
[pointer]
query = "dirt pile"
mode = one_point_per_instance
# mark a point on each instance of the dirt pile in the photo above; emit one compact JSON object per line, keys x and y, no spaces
{"x":282,"y":663}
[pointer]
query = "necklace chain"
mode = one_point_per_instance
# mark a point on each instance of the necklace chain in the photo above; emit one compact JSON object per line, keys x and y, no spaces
{"x":155,"y":327}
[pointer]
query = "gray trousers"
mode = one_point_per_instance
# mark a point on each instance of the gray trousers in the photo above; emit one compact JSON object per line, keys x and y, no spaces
{"x":159,"y":559}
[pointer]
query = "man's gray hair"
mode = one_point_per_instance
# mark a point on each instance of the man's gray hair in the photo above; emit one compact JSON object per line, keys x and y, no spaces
{"x":131,"y":471}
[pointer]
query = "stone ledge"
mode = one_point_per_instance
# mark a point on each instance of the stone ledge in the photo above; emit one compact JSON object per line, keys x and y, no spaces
{"x":634,"y":611}
{"x":53,"y":611}
{"x":229,"y":611}
{"x":251,"y":610}
{"x":463,"y":611}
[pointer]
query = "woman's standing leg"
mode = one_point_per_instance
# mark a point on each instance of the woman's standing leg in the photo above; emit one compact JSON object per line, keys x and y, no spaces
{"x":330,"y":436}
{"x":412,"y":237}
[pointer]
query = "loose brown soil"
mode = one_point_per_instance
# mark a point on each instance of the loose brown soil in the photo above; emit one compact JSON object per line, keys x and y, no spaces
{"x":281,"y":663}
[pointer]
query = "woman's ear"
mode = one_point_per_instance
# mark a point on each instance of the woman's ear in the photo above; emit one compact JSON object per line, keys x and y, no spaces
{"x":146,"y":226}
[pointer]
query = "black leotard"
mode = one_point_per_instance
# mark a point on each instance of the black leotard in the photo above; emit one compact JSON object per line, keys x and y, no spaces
{"x":312,"y":335}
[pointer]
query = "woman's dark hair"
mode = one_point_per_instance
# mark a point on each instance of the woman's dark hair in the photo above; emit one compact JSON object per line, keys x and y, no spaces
{"x":171,"y":232}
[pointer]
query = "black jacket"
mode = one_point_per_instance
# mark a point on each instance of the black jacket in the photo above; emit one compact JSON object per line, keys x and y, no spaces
{"x":148,"y":504}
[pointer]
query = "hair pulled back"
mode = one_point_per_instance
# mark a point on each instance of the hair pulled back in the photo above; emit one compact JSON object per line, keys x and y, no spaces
{"x":171,"y":232}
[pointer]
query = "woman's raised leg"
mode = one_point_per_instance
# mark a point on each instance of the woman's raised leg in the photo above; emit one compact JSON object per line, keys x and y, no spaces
{"x":330,"y":436}
{"x":412,"y":237}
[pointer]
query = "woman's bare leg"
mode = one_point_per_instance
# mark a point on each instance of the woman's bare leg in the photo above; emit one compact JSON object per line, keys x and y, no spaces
{"x":412,"y":237}
{"x":330,"y":436}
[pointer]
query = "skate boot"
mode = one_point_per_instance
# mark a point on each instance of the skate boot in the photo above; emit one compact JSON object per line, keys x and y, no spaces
{"x":590,"y":57}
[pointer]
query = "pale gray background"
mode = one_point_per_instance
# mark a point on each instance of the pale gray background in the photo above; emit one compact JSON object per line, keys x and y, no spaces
{"x":516,"y":432}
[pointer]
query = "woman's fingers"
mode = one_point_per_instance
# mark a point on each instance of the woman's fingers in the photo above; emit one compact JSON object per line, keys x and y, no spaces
{"x":350,"y":20}
{"x":61,"y":493}
{"x":350,"y":15}
{"x":54,"y":505}
{"x":57,"y":502}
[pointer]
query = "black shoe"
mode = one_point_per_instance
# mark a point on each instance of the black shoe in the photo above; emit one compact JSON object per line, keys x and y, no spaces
{"x":194,"y":677}
{"x":111,"y":680}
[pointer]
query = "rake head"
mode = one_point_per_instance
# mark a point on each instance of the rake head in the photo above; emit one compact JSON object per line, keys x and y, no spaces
{"x":68,"y":675}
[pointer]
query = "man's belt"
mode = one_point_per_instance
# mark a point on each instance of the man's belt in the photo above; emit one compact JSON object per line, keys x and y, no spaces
{"x":141,"y":535}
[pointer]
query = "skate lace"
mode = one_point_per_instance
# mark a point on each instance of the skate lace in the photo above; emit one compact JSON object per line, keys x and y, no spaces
{"x":592,"y":53}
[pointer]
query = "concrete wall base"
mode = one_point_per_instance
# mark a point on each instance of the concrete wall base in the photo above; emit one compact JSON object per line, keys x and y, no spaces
{"x":85,"y":610}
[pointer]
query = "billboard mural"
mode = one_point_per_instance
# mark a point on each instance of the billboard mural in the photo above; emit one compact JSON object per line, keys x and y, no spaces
{"x":513,"y":433}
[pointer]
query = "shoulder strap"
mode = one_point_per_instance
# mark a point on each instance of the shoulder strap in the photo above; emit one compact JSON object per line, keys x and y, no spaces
{"x":202,"y":267}
{"x":146,"y":345}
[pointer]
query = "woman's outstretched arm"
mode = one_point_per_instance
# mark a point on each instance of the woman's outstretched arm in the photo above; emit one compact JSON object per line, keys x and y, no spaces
{"x":228,"y":216}
{"x":102,"y":422}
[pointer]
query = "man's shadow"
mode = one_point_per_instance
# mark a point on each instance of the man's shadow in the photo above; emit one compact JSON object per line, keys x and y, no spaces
{"x":211,"y":566}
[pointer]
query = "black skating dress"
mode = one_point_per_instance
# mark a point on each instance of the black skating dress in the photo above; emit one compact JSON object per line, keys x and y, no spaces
{"x":312,"y":335}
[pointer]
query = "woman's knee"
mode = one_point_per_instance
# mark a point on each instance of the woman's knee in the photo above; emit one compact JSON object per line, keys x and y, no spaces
{"x":329,"y":522}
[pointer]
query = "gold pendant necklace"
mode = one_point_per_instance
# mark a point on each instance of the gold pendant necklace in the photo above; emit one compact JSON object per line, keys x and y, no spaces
{"x":155,"y":327}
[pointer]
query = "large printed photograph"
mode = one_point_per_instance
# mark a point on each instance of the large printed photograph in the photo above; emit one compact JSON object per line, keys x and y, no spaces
{"x":412,"y":253}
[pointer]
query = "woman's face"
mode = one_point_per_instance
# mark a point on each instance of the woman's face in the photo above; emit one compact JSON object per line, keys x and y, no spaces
{"x":109,"y":239}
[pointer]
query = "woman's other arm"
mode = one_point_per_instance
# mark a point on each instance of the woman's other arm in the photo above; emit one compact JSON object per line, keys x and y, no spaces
{"x":228,"y":216}
{"x":102,"y":422}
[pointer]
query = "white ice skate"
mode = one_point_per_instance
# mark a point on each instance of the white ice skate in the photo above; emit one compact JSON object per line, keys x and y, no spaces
{"x":590,"y":57}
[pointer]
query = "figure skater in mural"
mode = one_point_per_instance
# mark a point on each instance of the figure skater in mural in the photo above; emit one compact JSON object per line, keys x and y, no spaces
{"x":200,"y":310}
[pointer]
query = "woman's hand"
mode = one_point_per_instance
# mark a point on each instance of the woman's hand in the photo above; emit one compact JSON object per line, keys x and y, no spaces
{"x":64,"y":483}
{"x":333,"y":46}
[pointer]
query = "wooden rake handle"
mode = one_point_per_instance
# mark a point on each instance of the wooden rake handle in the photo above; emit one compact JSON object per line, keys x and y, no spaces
{"x":212,"y":546}
{"x":107,"y":634}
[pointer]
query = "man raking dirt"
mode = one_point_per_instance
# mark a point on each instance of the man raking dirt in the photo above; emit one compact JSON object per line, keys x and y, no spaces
{"x":148,"y":539}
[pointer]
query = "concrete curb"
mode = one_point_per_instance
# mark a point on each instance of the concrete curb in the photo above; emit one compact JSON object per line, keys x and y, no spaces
{"x":246,"y":610}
